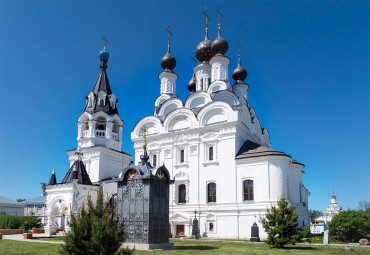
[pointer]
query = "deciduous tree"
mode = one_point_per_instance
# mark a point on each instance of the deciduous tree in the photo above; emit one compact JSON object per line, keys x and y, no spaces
{"x":350,"y":226}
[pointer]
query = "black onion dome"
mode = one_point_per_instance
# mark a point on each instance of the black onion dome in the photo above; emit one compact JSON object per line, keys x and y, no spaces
{"x":240,"y":73}
{"x":219,"y":45}
{"x":192,"y":84}
{"x":203,"y":51}
{"x":168,"y":62}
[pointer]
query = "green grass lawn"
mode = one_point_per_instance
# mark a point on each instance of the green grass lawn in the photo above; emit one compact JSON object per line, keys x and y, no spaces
{"x":54,"y":239}
{"x":22,"y":248}
{"x":187,"y":247}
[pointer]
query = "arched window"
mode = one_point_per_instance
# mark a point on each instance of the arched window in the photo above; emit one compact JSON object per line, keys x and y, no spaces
{"x":101,"y":102}
{"x":100,"y":123}
{"x":210,"y":153}
{"x":248,"y":190}
{"x":182,"y":156}
{"x":182,"y":194}
{"x":212,"y":192}
{"x":211,"y":227}
{"x":154,"y":160}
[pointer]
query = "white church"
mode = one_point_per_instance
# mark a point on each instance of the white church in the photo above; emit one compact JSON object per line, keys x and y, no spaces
{"x":212,"y":144}
{"x":215,"y":148}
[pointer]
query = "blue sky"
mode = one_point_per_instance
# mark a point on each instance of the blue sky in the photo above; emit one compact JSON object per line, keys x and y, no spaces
{"x":308,"y":71}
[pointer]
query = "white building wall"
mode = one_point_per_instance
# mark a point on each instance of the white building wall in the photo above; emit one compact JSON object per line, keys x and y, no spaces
{"x":9,"y":209}
{"x":101,"y":163}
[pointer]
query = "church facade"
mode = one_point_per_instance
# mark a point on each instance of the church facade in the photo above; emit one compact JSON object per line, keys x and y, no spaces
{"x":216,"y":150}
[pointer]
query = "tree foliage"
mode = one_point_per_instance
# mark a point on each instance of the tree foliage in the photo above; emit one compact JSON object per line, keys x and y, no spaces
{"x":350,"y":226}
{"x":20,"y":200}
{"x":364,"y":205}
{"x":280,"y":224}
{"x":314,"y":212}
{"x":96,"y":230}
{"x":15,"y":222}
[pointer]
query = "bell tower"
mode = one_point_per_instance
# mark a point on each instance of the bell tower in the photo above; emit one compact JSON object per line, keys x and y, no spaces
{"x":100,"y":128}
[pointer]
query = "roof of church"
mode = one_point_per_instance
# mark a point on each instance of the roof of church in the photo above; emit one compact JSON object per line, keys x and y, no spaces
{"x":103,"y":146}
{"x":77,"y":171}
{"x":252,"y":150}
{"x":35,"y":200}
{"x":102,"y":84}
{"x":53,"y":179}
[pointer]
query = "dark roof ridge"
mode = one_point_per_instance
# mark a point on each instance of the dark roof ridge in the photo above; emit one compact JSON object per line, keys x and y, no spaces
{"x":252,"y":150}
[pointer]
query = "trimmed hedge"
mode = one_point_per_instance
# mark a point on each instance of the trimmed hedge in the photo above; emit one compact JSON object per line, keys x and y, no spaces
{"x":15,"y":222}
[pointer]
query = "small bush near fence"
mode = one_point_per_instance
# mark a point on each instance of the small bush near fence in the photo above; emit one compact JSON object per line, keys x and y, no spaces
{"x":15,"y":222}
{"x":320,"y":239}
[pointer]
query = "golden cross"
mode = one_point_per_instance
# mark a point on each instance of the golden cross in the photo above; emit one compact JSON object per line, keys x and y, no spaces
{"x":144,"y":135}
{"x":104,"y":38}
{"x":168,"y":29}
{"x":205,"y":12}
{"x":219,"y":16}
{"x":239,"y":47}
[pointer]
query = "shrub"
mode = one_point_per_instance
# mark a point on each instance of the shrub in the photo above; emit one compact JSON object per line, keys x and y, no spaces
{"x":95,"y":230}
{"x":303,"y":233}
{"x":15,"y":222}
{"x":280,"y":224}
{"x":350,"y":226}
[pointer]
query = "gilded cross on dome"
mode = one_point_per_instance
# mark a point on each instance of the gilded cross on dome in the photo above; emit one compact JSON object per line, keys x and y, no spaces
{"x":239,"y":48}
{"x":169,"y":34}
{"x":104,"y":38}
{"x":205,"y":12}
{"x":219,"y":17}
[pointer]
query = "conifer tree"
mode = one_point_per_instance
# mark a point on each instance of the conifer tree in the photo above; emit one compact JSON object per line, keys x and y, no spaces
{"x":280,"y":224}
{"x":95,"y":230}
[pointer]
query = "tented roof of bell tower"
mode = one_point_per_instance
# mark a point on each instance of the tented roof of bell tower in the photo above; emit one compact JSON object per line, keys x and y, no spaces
{"x":102,"y":86}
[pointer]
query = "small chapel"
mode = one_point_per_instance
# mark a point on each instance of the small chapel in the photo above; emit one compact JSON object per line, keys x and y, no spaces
{"x":212,"y":146}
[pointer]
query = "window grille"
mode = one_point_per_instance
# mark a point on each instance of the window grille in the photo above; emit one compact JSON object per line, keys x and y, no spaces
{"x":210,"y":153}
{"x":182,"y":194}
{"x":182,"y":156}
{"x":212,"y":192}
{"x":248,"y":190}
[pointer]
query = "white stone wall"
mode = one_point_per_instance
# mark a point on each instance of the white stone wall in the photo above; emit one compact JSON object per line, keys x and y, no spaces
{"x":64,"y":200}
{"x":101,"y":163}
{"x":220,"y":68}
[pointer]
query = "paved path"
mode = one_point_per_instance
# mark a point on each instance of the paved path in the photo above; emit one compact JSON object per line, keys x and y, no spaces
{"x":19,"y":237}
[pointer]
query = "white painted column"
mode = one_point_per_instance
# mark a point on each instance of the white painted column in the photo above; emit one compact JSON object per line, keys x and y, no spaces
{"x":108,"y":129}
{"x":91,"y":124}
{"x":79,"y":125}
